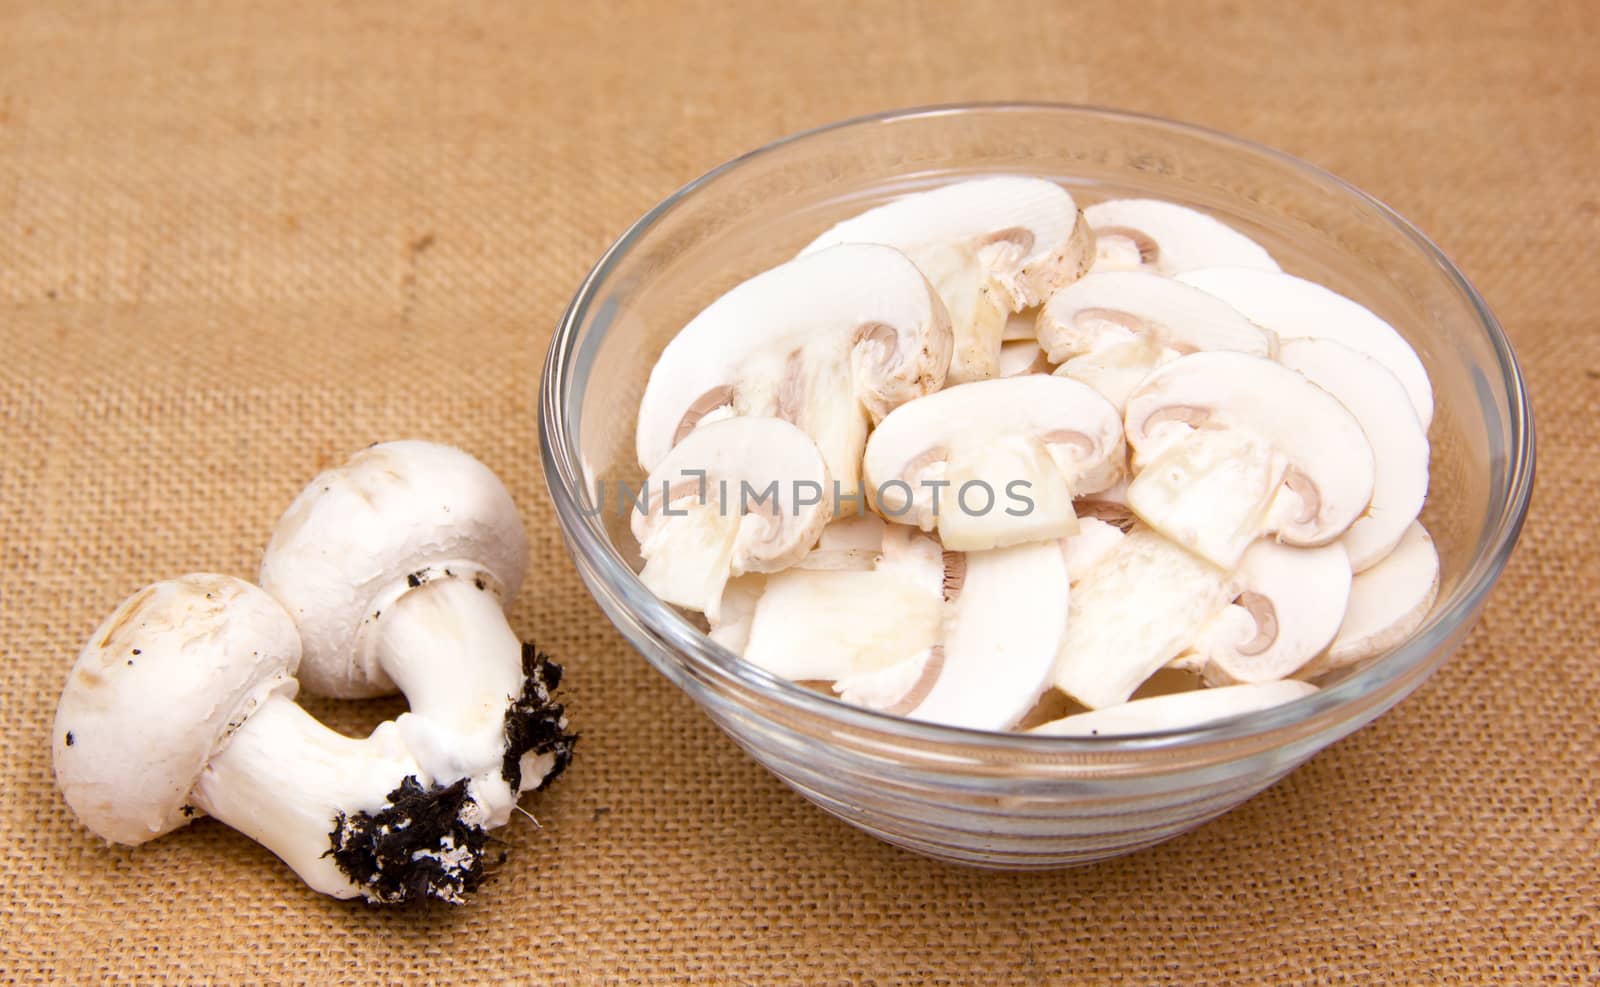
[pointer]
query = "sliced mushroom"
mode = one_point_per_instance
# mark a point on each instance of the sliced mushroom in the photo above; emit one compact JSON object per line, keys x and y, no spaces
{"x":1019,"y":325}
{"x":731,"y":629}
{"x":1132,"y":613}
{"x":1328,"y":478}
{"x":1295,"y":308}
{"x":1113,"y":306}
{"x":1177,"y":711}
{"x":1093,"y":541}
{"x":1022,"y":357}
{"x":819,"y":625}
{"x":1388,"y":602}
{"x":994,"y":463}
{"x":828,"y":341}
{"x":733,"y":497}
{"x":1166,"y":238}
{"x":1210,"y":491}
{"x":1002,"y":633}
{"x":1399,"y":445}
{"x":852,"y":541}
{"x":1291,"y":601}
{"x":991,"y":246}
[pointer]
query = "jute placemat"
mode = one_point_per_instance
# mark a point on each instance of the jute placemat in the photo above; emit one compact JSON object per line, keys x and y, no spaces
{"x":238,"y":241}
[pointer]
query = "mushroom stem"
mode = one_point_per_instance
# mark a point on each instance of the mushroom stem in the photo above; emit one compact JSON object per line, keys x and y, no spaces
{"x":447,"y":645}
{"x":353,"y":817}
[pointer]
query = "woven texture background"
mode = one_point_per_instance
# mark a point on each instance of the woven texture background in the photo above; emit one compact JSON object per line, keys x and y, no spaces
{"x":238,"y":241}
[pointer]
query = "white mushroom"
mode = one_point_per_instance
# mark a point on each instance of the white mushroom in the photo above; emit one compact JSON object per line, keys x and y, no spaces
{"x":1110,"y":329}
{"x":1167,"y":238}
{"x":994,"y":463}
{"x":182,"y":703}
{"x":1084,"y":549}
{"x":1328,"y":463}
{"x":1002,"y":633}
{"x":396,"y":567}
{"x":739,"y":495}
{"x":1399,"y":445}
{"x":991,"y":246}
{"x":1022,"y":357}
{"x":1291,"y":601}
{"x":1388,"y":602}
{"x":1177,"y":711}
{"x":1019,"y":325}
{"x":834,"y":625}
{"x":1211,"y":491}
{"x":1132,"y":613}
{"x":828,"y":341}
{"x":1295,"y":308}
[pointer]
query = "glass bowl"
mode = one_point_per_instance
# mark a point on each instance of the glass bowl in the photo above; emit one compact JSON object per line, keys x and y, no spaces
{"x":1005,"y":800}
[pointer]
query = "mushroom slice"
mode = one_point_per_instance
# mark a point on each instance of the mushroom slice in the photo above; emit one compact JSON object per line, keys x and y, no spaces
{"x":1210,"y":491}
{"x":1020,"y":325}
{"x":1291,"y":601}
{"x":733,"y":497}
{"x":1328,"y":478}
{"x":991,"y":246}
{"x":1113,"y":306}
{"x":1166,"y":238}
{"x":828,"y":341}
{"x":1399,"y":445}
{"x":1002,"y":633}
{"x":1177,"y":711}
{"x":1388,"y":602}
{"x":853,"y":541}
{"x":996,"y":462}
{"x":737,"y":610}
{"x":1021,"y":357}
{"x":1132,"y":613}
{"x":1294,"y":308}
{"x":813,"y":625}
{"x":1093,"y":541}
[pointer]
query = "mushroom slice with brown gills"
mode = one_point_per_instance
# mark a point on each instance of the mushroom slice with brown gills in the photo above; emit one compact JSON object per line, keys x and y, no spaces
{"x":1110,"y":329}
{"x":1213,"y":433}
{"x":1134,"y":611}
{"x":1002,"y":633}
{"x":995,"y":462}
{"x":1388,"y":602}
{"x":871,"y":632}
{"x":1177,"y":711}
{"x":1295,"y":308}
{"x":735,"y":496}
{"x":1399,"y":445}
{"x":1291,"y":602}
{"x":992,"y":246}
{"x":830,"y":341}
{"x":1166,"y":238}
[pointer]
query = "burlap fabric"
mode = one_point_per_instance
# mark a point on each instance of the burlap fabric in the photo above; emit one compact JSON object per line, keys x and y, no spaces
{"x":238,"y":241}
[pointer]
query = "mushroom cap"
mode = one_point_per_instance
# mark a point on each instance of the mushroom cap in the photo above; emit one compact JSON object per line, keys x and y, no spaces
{"x":1167,"y":238}
{"x":158,"y":689}
{"x":396,"y":513}
{"x":1330,"y":460}
{"x":1295,"y":308}
{"x":858,"y":313}
{"x":1178,"y":710}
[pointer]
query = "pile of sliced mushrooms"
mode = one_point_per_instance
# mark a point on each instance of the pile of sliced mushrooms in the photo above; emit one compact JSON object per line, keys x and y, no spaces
{"x":387,"y":574}
{"x":979,"y":458}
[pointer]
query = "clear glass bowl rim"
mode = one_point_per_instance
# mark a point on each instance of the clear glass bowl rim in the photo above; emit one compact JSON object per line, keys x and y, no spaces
{"x":563,"y":476}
